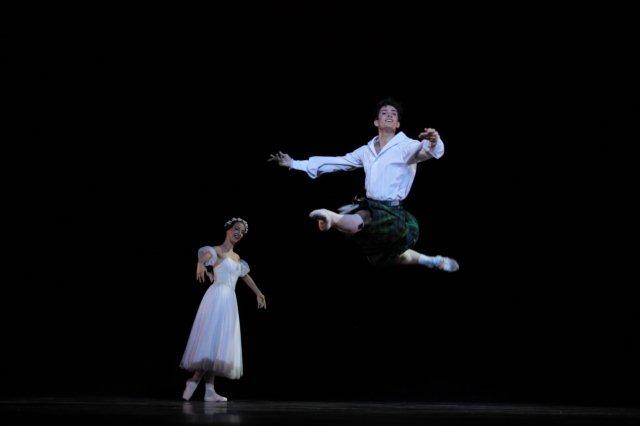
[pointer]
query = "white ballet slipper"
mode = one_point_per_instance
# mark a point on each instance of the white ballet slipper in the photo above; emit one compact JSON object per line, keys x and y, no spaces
{"x":189,"y":389}
{"x":210,"y":394}
{"x":446,"y":264}
{"x":324,"y":218}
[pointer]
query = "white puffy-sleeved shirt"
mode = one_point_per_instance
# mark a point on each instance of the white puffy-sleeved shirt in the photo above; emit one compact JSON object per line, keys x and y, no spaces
{"x":388,"y":174}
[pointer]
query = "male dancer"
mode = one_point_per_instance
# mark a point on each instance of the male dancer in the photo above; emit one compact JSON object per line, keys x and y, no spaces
{"x":379,"y":224}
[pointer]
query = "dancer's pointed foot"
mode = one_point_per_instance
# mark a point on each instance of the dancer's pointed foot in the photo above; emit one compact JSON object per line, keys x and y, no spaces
{"x":324,"y":217}
{"x":446,"y":264}
{"x":210,"y":394}
{"x":189,"y":389}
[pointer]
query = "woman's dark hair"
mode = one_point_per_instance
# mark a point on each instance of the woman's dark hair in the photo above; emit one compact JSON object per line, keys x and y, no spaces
{"x":228,"y":224}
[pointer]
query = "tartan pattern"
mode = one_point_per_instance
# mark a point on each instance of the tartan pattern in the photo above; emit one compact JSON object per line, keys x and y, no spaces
{"x":391,"y":231}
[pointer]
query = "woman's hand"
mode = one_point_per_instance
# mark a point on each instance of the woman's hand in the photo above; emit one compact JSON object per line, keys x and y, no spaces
{"x":262,"y":302}
{"x":200,"y":271}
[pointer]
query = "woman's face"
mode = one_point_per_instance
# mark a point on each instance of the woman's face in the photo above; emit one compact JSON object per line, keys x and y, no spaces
{"x":236,"y":232}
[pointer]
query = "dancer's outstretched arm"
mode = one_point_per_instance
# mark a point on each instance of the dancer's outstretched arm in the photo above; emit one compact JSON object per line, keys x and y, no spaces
{"x":316,"y":166}
{"x":431,"y":146}
{"x":262,"y":303}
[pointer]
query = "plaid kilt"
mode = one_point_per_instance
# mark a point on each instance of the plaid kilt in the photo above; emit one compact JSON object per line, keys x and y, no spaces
{"x":391,"y":231}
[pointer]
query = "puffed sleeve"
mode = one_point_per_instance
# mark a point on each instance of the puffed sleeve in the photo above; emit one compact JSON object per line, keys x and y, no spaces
{"x":244,"y":268}
{"x":207,"y":249}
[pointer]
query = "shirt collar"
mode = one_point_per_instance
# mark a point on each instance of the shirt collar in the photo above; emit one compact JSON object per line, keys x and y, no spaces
{"x":396,"y":139}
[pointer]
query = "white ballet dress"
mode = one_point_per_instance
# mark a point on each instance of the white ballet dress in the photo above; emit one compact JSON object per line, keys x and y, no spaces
{"x":214,"y":343}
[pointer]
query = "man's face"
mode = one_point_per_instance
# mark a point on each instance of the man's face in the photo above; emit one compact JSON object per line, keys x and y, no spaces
{"x":387,"y":119}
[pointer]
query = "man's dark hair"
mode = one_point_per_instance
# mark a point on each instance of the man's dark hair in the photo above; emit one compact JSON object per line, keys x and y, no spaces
{"x":390,"y":102}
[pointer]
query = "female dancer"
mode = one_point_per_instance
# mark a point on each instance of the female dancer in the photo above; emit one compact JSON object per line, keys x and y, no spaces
{"x":214,"y":345}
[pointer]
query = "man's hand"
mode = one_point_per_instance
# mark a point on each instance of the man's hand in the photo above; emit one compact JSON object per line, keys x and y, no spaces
{"x":431,"y":135}
{"x":283,"y":159}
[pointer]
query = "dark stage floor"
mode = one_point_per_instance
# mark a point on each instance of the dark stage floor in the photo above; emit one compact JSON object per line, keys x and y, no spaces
{"x":147,"y":411}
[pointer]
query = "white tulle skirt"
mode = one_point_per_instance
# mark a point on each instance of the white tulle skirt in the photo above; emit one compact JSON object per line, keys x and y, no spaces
{"x":214,"y":343}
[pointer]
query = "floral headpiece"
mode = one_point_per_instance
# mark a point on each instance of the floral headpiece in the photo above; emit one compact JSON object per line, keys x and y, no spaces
{"x":228,"y":224}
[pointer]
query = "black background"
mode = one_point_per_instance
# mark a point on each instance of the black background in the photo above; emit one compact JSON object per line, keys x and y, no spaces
{"x":144,"y":128}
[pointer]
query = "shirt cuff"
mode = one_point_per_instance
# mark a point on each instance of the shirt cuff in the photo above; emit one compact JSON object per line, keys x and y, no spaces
{"x":299,"y":165}
{"x":437,"y":151}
